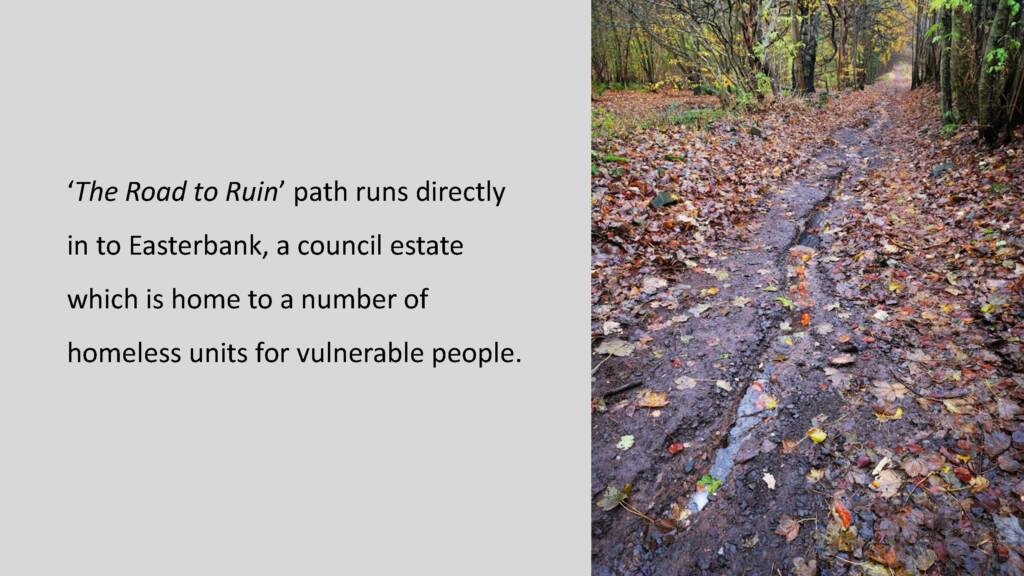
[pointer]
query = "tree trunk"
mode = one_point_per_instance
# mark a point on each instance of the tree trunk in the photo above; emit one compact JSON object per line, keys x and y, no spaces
{"x":990,"y":83}
{"x":806,"y":34}
{"x":798,"y":62}
{"x":944,"y":68}
{"x":810,"y":50}
{"x":960,"y":66}
{"x":915,"y":74}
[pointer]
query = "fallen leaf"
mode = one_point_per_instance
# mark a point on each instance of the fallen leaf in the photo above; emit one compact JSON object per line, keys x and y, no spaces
{"x":626,"y":442}
{"x":685,"y":383}
{"x":885,"y":461}
{"x":817,"y":435}
{"x":888,"y":392}
{"x":769,"y":480}
{"x":883,"y":417}
{"x":724,"y":385}
{"x":651,"y":399}
{"x":653,"y":284}
{"x":675,"y":448}
{"x":978,"y":484}
{"x":842,"y":360}
{"x":611,"y":327}
{"x":699,"y":309}
{"x":872,"y":569}
{"x":884,"y":555}
{"x":613,"y":497}
{"x":616,"y":347}
{"x":803,"y":567}
{"x":845,"y":518}
{"x":1007,"y":409}
{"x":963,"y":474}
{"x":1010,"y":530}
{"x":887,"y":483}
{"x":788,"y":528}
{"x":922,"y":465}
{"x":957,"y":406}
{"x":709,"y":483}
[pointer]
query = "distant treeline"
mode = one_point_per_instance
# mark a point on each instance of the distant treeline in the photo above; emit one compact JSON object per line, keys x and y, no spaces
{"x":747,"y":50}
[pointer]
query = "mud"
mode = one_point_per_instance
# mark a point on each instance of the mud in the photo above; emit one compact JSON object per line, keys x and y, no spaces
{"x":760,"y":350}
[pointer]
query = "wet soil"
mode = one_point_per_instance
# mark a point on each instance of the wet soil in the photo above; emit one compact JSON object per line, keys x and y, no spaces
{"x":773,"y":326}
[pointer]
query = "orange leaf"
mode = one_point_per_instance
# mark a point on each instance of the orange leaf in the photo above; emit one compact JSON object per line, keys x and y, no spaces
{"x":844,"y":515}
{"x":805,"y":319}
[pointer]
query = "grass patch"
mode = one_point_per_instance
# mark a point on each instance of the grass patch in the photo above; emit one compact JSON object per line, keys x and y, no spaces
{"x":607,"y":124}
{"x":696,"y":118}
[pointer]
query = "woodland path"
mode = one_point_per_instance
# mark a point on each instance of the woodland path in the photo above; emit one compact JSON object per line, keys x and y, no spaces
{"x":774,"y":339}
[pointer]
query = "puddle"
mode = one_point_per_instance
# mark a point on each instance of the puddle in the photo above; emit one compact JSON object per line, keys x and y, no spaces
{"x":748,"y":415}
{"x":811,"y":235}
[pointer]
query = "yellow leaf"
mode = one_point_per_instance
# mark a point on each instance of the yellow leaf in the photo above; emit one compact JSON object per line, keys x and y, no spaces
{"x":882,"y":417}
{"x":770,"y":402}
{"x":817,"y":435}
{"x":651,"y":399}
{"x":979,"y":484}
{"x":957,"y":406}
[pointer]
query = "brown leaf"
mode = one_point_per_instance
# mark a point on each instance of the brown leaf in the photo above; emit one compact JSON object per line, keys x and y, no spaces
{"x":923,"y":465}
{"x":788,"y":528}
{"x":883,"y":555}
{"x":888,"y":392}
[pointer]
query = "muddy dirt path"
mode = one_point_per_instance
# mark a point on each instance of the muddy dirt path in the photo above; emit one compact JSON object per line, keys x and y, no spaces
{"x":761,"y":352}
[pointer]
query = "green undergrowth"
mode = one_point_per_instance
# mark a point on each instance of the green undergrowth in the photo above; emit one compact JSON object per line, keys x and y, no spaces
{"x":607,"y":124}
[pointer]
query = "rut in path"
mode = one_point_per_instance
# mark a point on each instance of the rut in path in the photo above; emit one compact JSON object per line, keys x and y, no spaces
{"x":735,"y":355}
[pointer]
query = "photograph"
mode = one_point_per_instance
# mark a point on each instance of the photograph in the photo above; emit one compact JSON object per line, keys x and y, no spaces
{"x":807,"y":287}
